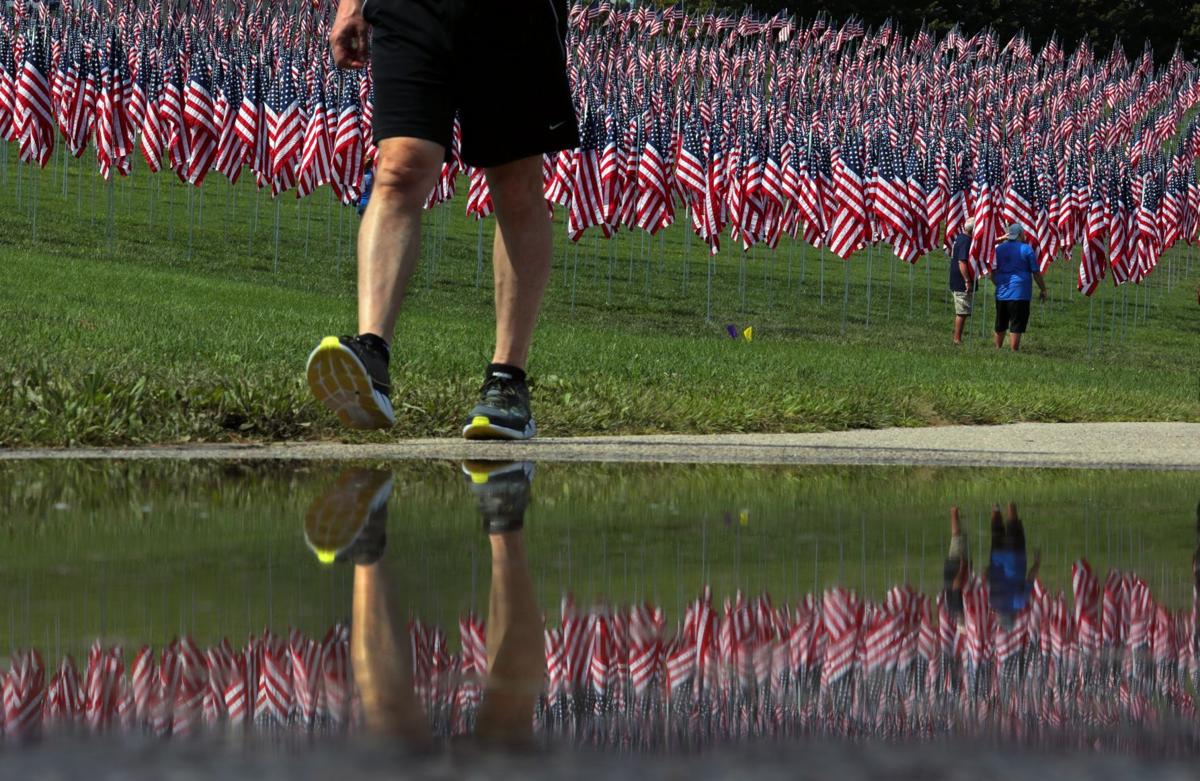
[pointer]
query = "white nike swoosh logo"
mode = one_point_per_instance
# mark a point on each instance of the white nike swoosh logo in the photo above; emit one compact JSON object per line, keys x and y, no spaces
{"x":557,"y":125}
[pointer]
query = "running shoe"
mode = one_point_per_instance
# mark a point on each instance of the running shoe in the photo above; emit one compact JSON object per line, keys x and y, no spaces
{"x":349,"y":521}
{"x":501,"y":490}
{"x":350,"y":377}
{"x":502,"y":411}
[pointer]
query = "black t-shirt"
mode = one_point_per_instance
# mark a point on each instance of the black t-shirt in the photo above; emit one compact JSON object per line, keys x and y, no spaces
{"x":960,"y":251}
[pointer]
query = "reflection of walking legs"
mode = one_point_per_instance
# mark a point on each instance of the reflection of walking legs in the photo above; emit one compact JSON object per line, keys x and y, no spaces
{"x":1196,"y":556}
{"x":515,"y":652}
{"x":1013,"y":530}
{"x":382,"y":660}
{"x":997,"y":529}
{"x":348,"y":523}
{"x":516,"y":662}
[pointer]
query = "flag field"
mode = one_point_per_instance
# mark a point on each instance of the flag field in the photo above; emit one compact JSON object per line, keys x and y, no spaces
{"x":148,"y":311}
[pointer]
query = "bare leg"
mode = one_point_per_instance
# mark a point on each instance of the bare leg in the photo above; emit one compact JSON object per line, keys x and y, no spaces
{"x":959,"y":322}
{"x":998,"y":339}
{"x":389,"y":238}
{"x":515,"y":647}
{"x":382,"y":660}
{"x":520,"y":255}
{"x":1014,"y":341}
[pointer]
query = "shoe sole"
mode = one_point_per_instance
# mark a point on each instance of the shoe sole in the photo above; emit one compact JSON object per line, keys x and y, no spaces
{"x":482,"y":428}
{"x":481,"y":476}
{"x":340,"y":381}
{"x":336,"y":504}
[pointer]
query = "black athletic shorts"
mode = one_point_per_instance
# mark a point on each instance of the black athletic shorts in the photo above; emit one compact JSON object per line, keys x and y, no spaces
{"x":1012,"y":316}
{"x":501,"y":65}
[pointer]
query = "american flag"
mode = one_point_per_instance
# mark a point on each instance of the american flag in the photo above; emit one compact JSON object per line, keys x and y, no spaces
{"x":348,"y":145}
{"x":285,"y":131}
{"x":850,"y":228}
{"x":34,"y":112}
{"x":316,"y":160}
{"x":739,"y":117}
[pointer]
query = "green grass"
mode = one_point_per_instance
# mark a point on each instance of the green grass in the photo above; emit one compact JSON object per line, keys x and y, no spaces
{"x":137,"y":552}
{"x":155,"y":328}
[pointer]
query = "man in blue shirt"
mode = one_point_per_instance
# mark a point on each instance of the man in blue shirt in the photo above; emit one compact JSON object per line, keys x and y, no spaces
{"x":1015,"y":270}
{"x":1009,"y":586}
{"x":960,"y":277}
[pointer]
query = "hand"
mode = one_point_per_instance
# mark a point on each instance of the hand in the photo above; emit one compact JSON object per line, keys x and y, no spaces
{"x":1042,"y":295}
{"x":348,"y":38}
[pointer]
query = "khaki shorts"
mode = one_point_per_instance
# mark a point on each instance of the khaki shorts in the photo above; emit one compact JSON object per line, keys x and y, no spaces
{"x":962,"y":303}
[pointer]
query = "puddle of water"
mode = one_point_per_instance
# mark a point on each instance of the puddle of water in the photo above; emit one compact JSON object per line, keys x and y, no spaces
{"x":637,"y":607}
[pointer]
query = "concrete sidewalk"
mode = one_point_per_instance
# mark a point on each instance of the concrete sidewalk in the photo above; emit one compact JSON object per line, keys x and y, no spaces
{"x":1081,"y":445}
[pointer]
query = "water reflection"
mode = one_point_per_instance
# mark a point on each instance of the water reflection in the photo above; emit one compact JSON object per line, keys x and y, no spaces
{"x":994,"y":652}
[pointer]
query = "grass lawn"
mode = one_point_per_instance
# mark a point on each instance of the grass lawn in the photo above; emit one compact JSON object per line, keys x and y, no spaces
{"x":125,"y":320}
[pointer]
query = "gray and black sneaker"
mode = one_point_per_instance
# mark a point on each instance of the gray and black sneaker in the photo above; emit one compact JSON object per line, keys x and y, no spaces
{"x":350,"y":377}
{"x":502,"y":411}
{"x":349,"y":521}
{"x":501,"y":490}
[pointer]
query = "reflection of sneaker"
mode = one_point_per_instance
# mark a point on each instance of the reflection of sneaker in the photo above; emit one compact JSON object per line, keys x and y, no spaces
{"x":350,"y":377}
{"x":502,"y":411}
{"x":501,"y":489}
{"x":349,"y":521}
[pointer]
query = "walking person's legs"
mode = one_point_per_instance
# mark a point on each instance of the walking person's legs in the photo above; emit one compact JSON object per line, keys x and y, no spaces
{"x":1002,"y":316}
{"x":520,"y":256}
{"x":1019,"y":316}
{"x":962,"y":310}
{"x":389,"y":239}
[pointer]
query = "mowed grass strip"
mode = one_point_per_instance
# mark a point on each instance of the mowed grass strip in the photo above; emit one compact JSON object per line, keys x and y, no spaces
{"x":171,"y":327}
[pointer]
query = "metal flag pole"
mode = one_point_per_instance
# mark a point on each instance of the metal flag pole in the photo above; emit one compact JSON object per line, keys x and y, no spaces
{"x":111,"y":216}
{"x":822,"y":276}
{"x":254,"y":223}
{"x":845,"y":293}
{"x":612,"y":260}
{"x":277,"y":206}
{"x":870,"y":254}
{"x":1091,"y":308}
{"x":803,"y":265}
{"x":790,"y":257}
{"x":191,"y":215}
{"x":687,"y":244}
{"x":37,"y":184}
{"x":928,"y":288}
{"x":710,"y":263}
{"x":574,"y":275}
{"x":891,"y":284}
{"x":910,"y":289}
{"x":307,"y":225}
{"x":742,"y":282}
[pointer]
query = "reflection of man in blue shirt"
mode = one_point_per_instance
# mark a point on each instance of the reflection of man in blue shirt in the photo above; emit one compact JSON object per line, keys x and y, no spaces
{"x":1008,"y":585}
{"x":1015,"y":272}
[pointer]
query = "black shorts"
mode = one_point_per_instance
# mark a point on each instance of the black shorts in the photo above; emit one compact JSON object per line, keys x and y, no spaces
{"x":1012,"y":316}
{"x":500,"y":65}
